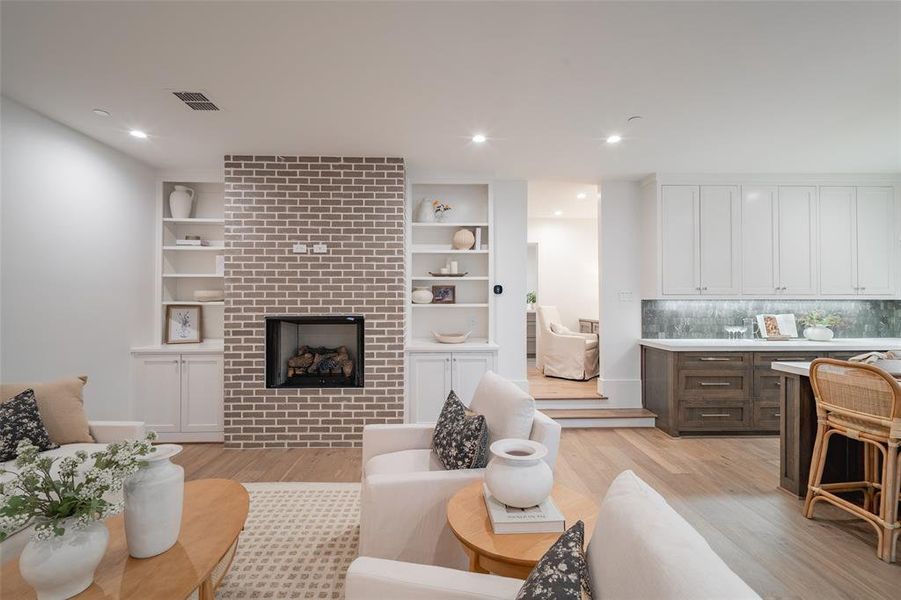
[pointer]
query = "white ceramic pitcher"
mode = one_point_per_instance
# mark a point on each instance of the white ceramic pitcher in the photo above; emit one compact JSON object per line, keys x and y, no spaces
{"x":181,"y":201}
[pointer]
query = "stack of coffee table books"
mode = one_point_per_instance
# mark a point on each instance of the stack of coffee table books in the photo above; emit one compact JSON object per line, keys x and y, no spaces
{"x":544,"y":518}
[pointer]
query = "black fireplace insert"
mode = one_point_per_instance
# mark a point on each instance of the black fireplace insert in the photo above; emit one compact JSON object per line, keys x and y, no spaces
{"x":314,"y":351}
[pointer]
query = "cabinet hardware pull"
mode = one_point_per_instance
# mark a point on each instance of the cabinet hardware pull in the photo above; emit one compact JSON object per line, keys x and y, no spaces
{"x":706,"y":415}
{"x":718,"y":358}
{"x":704,"y":288}
{"x":777,"y":414}
{"x":788,"y":358}
{"x":175,"y":361}
{"x":861,"y":288}
{"x":778,"y":384}
{"x":709,"y":383}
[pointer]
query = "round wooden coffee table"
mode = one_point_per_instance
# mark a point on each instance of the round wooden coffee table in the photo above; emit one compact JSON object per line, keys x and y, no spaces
{"x":213,"y":517}
{"x":513,"y":554}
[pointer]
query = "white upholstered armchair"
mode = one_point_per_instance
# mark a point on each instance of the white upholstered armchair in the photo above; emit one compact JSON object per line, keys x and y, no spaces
{"x":562,"y":352}
{"x":403,"y":513}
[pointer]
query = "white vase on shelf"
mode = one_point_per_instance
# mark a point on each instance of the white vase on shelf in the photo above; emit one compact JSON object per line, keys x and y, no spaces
{"x":153,"y":503}
{"x":181,"y":201}
{"x":517,"y":474}
{"x":424,"y":212}
{"x":63,"y":566}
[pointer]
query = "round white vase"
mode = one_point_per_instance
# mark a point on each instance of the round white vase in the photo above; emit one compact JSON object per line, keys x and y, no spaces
{"x":424,"y":212}
{"x":63,"y":566}
{"x":422,"y":295}
{"x":153,"y":503}
{"x":517,"y":474}
{"x":181,"y":202}
{"x":818,"y":334}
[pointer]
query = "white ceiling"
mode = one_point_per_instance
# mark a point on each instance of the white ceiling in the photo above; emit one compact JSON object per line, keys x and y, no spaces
{"x":723,"y":87}
{"x":548,"y":197}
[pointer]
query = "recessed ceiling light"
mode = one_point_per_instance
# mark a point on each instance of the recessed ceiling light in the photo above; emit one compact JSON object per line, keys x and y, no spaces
{"x":581,"y":195}
{"x":614,"y":139}
{"x":138,"y":134}
{"x":558,"y":213}
{"x":100,"y":112}
{"x":479,"y":138}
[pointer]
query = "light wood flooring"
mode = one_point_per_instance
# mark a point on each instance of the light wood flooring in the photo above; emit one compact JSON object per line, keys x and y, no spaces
{"x":727,"y":488}
{"x":551,"y":388}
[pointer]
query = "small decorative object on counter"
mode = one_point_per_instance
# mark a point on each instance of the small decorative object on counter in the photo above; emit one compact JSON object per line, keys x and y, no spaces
{"x":183,"y":324}
{"x":464,"y":239}
{"x":424,"y":212}
{"x":818,"y":325}
{"x":440,"y":209}
{"x":66,"y":503}
{"x":422,"y":295}
{"x":777,"y":327}
{"x":517,"y":474}
{"x":153,"y":502}
{"x":181,"y":201}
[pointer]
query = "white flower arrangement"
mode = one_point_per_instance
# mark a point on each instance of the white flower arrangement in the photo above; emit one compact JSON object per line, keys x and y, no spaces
{"x":74,"y":496}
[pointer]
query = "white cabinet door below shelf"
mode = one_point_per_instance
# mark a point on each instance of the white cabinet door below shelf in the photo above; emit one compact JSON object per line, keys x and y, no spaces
{"x":158,"y":391}
{"x":201,"y":392}
{"x":875,"y":244}
{"x":467,"y":369}
{"x":429,"y":384}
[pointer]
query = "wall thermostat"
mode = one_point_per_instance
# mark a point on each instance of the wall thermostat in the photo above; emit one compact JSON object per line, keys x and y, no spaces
{"x":498,"y":289}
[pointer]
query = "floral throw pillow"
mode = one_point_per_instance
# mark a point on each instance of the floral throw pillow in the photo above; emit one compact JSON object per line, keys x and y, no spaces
{"x":461,"y":437}
{"x":20,"y":420}
{"x":562,"y":573}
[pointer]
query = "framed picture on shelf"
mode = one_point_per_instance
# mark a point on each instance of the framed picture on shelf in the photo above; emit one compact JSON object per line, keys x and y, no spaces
{"x":444,"y":294}
{"x":183,"y":324}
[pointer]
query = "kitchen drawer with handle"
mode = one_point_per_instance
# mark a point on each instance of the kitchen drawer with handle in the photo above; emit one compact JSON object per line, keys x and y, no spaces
{"x":766,"y":416}
{"x":764,"y":359}
{"x":722,"y":384}
{"x":767,"y":384}
{"x":714,"y":360}
{"x":715,"y":417}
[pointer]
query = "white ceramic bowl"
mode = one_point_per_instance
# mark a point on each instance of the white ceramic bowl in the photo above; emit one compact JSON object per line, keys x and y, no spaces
{"x":451,"y":338}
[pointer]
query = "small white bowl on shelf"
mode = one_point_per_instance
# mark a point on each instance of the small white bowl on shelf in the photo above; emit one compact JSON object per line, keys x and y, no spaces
{"x":451,"y":338}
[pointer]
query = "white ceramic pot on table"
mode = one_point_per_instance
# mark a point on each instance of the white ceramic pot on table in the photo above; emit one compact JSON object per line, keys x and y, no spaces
{"x":517,"y":474}
{"x":63,"y":566}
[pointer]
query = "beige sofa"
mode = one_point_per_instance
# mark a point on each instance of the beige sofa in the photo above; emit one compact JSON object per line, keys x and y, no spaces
{"x":641,"y":549}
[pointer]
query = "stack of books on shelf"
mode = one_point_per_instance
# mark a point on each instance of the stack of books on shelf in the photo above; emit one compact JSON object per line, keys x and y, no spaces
{"x":192,"y":242}
{"x":544,"y":518}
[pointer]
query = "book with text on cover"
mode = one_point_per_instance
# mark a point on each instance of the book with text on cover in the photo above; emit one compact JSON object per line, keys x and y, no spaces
{"x":544,"y":518}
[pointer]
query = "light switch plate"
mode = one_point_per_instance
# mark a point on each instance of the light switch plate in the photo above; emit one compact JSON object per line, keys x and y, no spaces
{"x":625,"y":296}
{"x":320,"y":248}
{"x":300,"y":248}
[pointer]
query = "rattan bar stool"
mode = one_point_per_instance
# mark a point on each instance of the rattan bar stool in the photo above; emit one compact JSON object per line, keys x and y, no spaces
{"x":861,"y":402}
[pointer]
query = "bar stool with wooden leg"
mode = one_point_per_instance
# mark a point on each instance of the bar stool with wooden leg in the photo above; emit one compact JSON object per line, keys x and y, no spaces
{"x":861,"y":402}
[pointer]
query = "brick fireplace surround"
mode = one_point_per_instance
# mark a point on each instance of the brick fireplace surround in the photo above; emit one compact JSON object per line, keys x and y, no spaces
{"x":356,"y":206}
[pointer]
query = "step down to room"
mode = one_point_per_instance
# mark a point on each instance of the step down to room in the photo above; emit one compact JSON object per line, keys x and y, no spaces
{"x":601,"y":417}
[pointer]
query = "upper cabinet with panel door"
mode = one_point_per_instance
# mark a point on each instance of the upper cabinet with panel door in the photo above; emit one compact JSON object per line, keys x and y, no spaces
{"x":857,"y":244}
{"x":778,"y":236}
{"x":700,"y":232}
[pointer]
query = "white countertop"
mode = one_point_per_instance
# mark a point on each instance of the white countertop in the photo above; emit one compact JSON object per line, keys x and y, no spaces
{"x":470,"y":345}
{"x":800,"y":345}
{"x":205,"y":347}
{"x":794,"y":368}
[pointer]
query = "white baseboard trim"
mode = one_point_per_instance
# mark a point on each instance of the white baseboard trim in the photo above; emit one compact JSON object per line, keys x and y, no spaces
{"x":606,"y":423}
{"x":196,"y":436}
{"x":621,"y":393}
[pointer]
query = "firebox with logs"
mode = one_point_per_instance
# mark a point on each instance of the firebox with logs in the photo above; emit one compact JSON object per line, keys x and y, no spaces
{"x":314,"y":351}
{"x":320,"y":361}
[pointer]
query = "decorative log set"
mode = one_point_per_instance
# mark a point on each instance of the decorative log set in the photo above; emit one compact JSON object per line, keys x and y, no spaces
{"x":320,"y":361}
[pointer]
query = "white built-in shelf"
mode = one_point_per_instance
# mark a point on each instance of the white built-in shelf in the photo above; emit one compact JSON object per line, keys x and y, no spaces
{"x":446,"y":251}
{"x":457,"y":305}
{"x":473,"y":224}
{"x":193,"y":303}
{"x":447,"y":278}
{"x":432,"y":345}
{"x":195,"y":221}
{"x":195,"y":248}
{"x":192,"y":275}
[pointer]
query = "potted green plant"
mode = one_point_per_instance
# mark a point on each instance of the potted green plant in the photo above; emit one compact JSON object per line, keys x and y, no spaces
{"x":67,"y":503}
{"x":818,"y":325}
{"x":531,"y":299}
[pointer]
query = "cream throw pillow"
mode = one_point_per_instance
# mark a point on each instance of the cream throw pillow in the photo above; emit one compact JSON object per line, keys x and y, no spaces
{"x":61,"y":406}
{"x":560,"y":329}
{"x":508,"y":410}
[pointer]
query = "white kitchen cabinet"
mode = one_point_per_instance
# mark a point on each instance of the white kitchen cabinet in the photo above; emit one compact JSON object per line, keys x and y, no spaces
{"x":180,"y":396}
{"x":700,"y":229}
{"x":432,"y":375}
{"x":856,"y":241}
{"x":778,"y":240}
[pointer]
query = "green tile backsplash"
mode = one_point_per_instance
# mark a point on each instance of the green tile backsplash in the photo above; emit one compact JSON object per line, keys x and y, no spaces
{"x":707,"y":318}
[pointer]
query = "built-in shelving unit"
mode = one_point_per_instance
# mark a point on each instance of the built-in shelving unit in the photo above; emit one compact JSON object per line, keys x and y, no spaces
{"x":430,"y":247}
{"x":186,"y":269}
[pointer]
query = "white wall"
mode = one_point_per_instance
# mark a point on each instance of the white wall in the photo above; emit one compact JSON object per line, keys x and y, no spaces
{"x":567,"y":266}
{"x":76,"y":258}
{"x":510,"y":210}
{"x":620,"y":252}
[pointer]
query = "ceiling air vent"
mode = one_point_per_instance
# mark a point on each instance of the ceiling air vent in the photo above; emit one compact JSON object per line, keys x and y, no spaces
{"x":196,"y":100}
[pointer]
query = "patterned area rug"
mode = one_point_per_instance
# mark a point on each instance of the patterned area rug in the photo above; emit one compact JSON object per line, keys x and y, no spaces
{"x":298,"y":542}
